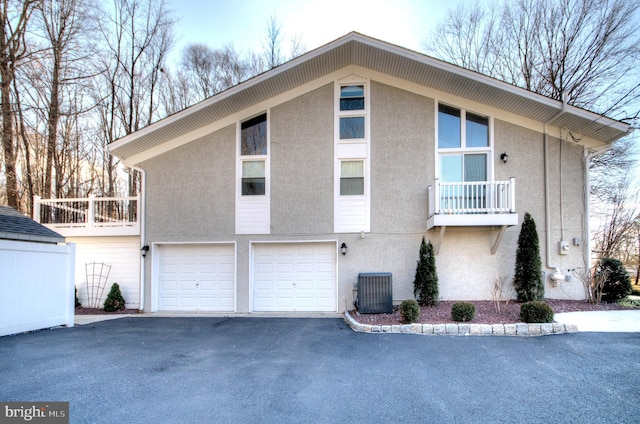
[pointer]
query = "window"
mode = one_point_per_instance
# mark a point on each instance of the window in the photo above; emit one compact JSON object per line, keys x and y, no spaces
{"x":253,"y":136}
{"x":253,"y":180}
{"x":352,"y":127}
{"x":463,"y":149}
{"x":352,"y":97}
{"x":351,"y":178}
{"x":352,"y":204}
{"x":253,"y":152}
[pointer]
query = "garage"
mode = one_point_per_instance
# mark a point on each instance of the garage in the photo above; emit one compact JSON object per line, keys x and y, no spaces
{"x":296,"y":276}
{"x":196,"y":277}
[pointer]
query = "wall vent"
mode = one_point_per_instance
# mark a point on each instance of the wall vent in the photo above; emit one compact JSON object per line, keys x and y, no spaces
{"x":375,"y":293}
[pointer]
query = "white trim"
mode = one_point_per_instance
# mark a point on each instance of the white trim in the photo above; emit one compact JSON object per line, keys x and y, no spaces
{"x":155,"y":268}
{"x":345,"y":150}
{"x":260,"y":203}
{"x":252,"y":271}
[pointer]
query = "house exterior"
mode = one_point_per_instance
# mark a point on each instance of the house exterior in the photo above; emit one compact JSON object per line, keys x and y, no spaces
{"x":274,"y":195}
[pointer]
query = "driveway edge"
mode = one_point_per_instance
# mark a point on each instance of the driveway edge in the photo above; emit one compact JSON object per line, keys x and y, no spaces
{"x":520,"y":329}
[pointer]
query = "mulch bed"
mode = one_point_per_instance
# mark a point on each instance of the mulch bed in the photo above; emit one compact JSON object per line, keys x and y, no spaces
{"x":485,"y":312}
{"x":98,"y":311}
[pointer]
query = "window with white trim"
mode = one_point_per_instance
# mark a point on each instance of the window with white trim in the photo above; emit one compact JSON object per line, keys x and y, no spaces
{"x":352,"y":199}
{"x":253,"y":155}
{"x":253,"y":203}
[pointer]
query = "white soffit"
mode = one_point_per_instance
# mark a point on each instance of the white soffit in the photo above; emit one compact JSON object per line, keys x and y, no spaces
{"x":366,"y":52}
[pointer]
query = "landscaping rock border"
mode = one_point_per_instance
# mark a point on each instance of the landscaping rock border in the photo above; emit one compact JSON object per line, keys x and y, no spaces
{"x":463,"y":329}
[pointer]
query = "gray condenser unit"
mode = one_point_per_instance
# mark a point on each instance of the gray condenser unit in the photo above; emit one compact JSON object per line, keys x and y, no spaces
{"x":375,"y":293}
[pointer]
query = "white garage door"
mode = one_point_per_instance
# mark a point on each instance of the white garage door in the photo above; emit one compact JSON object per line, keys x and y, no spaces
{"x":197,"y":277}
{"x":294,"y":277}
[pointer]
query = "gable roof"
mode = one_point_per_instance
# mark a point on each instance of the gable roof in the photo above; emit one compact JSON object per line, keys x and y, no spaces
{"x":360,"y":50}
{"x":15,"y":226}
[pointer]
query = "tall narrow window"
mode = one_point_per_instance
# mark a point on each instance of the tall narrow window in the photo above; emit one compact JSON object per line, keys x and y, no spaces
{"x":352,"y":204}
{"x":253,"y":201}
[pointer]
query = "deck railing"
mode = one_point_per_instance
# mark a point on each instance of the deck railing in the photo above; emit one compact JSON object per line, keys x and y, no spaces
{"x":476,"y":197}
{"x":91,"y":213}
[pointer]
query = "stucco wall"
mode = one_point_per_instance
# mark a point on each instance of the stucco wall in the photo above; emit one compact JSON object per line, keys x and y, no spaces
{"x":302,"y":164}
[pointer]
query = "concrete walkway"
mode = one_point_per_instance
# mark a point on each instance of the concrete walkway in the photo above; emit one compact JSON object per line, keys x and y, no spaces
{"x":601,"y":321}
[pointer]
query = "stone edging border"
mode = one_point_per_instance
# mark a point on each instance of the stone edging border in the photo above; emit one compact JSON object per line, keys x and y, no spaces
{"x":520,"y":329}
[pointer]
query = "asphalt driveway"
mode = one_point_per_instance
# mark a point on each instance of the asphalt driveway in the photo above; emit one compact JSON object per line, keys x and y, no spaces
{"x":253,"y":370}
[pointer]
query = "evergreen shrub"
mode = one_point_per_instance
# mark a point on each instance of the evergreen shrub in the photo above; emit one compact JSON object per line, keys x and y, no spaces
{"x":425,"y":284}
{"x":114,"y":301}
{"x":527,"y":280}
{"x":410,"y":311}
{"x":617,"y":284}
{"x":536,"y":312}
{"x":463,"y":311}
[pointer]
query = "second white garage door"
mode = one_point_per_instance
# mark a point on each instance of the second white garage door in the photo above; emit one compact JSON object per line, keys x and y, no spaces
{"x":196,"y":277}
{"x":294,"y":277}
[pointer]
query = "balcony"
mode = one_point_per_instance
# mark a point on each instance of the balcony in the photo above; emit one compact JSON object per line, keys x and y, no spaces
{"x":472,"y":204}
{"x":92,"y":216}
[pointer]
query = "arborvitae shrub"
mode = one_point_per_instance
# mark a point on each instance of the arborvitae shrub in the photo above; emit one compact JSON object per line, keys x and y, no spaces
{"x":425,"y":285}
{"x":536,"y":312}
{"x":617,"y":284}
{"x":77,"y":301}
{"x":528,"y":280}
{"x":114,"y":301}
{"x":410,"y":311}
{"x":463,"y":311}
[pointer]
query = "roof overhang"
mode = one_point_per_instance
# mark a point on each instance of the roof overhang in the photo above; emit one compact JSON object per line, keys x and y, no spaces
{"x":359,"y":50}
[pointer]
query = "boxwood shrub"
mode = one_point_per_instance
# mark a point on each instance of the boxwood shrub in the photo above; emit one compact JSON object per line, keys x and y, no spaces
{"x":463,"y":311}
{"x":410,"y":311}
{"x":536,"y":312}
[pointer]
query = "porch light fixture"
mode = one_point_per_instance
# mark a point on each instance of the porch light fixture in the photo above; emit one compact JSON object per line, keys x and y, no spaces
{"x":144,"y":250}
{"x":504,"y":157}
{"x":343,"y":248}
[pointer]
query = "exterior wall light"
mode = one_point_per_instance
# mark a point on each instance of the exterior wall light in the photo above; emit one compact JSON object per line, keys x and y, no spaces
{"x":144,"y":250}
{"x":343,"y":248}
{"x":504,"y":157}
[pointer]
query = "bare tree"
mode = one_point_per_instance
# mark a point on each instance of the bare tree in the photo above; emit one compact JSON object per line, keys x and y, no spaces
{"x":14,"y":17}
{"x":587,"y":49}
{"x":273,"y":43}
{"x":137,"y":35}
{"x":618,"y":217}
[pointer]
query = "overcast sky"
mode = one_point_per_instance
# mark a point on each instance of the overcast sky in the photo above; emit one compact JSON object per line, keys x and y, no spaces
{"x":316,"y":22}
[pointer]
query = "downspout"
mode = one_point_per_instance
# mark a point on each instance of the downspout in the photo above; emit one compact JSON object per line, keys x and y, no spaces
{"x":141,"y":217}
{"x":547,"y":201}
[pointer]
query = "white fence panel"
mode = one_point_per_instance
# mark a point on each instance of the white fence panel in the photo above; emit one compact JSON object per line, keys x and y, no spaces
{"x":37,"y":283}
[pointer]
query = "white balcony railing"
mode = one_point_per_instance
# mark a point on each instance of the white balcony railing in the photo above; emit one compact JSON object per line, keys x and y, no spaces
{"x":472,"y":203}
{"x":89,"y":216}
